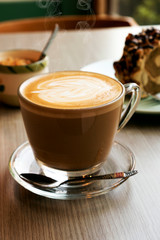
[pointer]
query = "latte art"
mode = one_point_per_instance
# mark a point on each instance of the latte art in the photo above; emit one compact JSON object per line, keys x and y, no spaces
{"x":75,"y":92}
{"x":72,"y":91}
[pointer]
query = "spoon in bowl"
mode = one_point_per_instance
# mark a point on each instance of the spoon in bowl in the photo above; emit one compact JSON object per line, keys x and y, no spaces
{"x":53,"y":35}
{"x":43,"y":181}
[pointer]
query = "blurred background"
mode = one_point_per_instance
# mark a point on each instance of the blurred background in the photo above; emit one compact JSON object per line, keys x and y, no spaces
{"x":143,"y":11}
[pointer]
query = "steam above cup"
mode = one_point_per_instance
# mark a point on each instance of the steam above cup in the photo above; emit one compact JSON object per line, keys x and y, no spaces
{"x":15,"y":67}
{"x":72,"y":117}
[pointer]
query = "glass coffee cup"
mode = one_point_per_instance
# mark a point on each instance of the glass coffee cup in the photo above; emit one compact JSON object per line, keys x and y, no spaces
{"x":72,"y":117}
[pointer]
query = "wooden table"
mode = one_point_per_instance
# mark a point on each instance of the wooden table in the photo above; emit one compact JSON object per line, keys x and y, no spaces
{"x":132,"y":211}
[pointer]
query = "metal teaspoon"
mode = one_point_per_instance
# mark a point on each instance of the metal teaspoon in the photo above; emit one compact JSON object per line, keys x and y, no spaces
{"x":43,"y":181}
{"x":53,"y":35}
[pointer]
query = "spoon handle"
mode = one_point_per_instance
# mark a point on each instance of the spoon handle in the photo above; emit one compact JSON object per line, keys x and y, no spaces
{"x":106,"y":176}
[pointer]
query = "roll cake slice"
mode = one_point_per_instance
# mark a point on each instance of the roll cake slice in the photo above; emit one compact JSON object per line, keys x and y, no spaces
{"x":140,"y":61}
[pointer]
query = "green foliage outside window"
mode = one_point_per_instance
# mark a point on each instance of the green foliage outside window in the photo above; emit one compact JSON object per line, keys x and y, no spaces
{"x":143,"y":11}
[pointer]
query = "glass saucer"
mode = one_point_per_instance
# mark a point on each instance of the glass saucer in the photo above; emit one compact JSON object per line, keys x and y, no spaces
{"x":121,"y":158}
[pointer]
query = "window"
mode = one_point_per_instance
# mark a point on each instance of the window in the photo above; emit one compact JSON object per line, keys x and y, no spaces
{"x":143,"y":11}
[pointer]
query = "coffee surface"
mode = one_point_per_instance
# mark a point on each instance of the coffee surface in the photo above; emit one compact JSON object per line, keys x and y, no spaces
{"x":72,"y":90}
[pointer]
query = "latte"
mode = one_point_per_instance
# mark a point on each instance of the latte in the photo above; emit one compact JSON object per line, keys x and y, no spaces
{"x":72,"y":90}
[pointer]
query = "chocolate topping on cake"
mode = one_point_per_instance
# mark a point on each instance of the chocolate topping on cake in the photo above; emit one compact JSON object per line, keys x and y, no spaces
{"x":140,"y":61}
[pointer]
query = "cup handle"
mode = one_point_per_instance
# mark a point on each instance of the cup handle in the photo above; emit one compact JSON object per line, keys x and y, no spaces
{"x":134,"y":90}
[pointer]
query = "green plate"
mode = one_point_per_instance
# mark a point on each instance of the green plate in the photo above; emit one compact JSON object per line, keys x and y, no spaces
{"x":149,"y":106}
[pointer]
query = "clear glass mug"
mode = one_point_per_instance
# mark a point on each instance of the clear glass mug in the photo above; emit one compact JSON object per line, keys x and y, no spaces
{"x":75,"y":142}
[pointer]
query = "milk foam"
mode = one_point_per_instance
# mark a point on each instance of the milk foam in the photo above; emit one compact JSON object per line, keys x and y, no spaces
{"x":72,"y":91}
